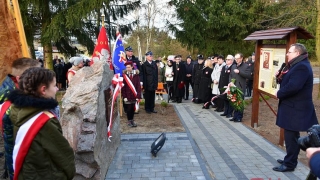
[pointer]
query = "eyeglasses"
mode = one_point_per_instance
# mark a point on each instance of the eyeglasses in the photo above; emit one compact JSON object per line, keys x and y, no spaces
{"x":229,"y":59}
{"x":291,"y":52}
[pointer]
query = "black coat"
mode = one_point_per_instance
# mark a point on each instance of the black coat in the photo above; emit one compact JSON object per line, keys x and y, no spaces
{"x":244,"y":73}
{"x":189,"y":68}
{"x":224,"y":79}
{"x":136,"y":63}
{"x":149,"y":76}
{"x":296,"y":110}
{"x":196,"y":73}
{"x":204,"y":93}
{"x":178,"y":77}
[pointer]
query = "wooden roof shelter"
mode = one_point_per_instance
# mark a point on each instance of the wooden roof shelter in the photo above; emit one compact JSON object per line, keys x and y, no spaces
{"x":290,"y":34}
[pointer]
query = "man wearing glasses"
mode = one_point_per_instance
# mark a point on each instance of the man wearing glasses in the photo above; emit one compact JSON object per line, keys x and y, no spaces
{"x":296,"y":110}
{"x":240,"y":72}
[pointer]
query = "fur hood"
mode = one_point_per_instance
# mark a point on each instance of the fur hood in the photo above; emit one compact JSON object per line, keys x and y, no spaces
{"x":21,"y":100}
{"x":134,"y":71}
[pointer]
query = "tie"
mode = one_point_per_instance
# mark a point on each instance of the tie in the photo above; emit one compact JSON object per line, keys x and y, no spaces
{"x":131,"y":76}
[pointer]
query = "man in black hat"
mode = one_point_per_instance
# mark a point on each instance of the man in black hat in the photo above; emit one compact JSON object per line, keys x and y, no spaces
{"x":179,"y":70}
{"x":188,"y":80}
{"x":196,"y":77}
{"x":149,"y":80}
{"x":131,"y":57}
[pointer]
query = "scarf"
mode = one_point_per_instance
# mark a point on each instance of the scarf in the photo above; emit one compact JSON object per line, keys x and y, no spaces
{"x":293,"y":62}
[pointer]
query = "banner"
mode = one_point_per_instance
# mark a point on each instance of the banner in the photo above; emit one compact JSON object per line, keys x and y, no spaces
{"x":102,"y":51}
{"x":119,"y":56}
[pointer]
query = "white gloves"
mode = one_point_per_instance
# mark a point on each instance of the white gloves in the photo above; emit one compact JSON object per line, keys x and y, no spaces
{"x":125,"y":99}
{"x":141,"y":83}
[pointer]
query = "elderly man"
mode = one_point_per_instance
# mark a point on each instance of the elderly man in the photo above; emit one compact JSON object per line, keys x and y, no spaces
{"x":296,"y":110}
{"x":149,"y":79}
{"x":240,"y":72}
{"x":132,"y":58}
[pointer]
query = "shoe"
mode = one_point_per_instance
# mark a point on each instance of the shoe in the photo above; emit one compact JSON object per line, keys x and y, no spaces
{"x":223,"y":114}
{"x":137,"y":112}
{"x":148,"y":112}
{"x":280,"y":161}
{"x":237,"y":120}
{"x":219,"y":110}
{"x":282,"y":168}
{"x":185,"y":98}
{"x":228,"y":116}
{"x":231,"y":119}
{"x":131,"y":123}
{"x":214,"y":106}
{"x":153,"y":111}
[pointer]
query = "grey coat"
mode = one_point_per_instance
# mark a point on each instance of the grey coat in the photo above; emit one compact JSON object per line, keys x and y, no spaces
{"x":244,"y":73}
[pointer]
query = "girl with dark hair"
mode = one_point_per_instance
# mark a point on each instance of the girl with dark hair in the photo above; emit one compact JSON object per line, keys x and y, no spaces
{"x":40,"y":150}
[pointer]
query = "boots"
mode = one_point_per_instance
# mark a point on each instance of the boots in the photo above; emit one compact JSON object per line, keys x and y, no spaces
{"x":131,"y":123}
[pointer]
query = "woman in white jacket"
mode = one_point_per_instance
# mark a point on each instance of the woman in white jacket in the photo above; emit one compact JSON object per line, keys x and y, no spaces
{"x":215,"y":76}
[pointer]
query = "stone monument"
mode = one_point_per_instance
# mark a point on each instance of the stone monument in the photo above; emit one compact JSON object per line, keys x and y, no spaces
{"x":85,"y":119}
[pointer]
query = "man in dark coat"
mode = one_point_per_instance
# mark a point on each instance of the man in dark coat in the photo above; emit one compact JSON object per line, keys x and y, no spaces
{"x":179,"y":76}
{"x":250,"y":80}
{"x":131,"y":57}
{"x":188,"y":81}
{"x":149,"y":79}
{"x":296,"y":110}
{"x":240,"y":72}
{"x":196,"y":77}
{"x":224,"y":81}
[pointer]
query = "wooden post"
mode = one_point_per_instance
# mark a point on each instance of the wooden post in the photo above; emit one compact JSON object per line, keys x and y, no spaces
{"x":255,"y":96}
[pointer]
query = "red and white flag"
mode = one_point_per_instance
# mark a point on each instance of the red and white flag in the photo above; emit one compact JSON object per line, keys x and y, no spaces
{"x":102,"y":50}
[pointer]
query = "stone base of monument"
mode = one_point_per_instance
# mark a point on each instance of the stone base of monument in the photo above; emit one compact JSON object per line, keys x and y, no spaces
{"x":85,"y":118}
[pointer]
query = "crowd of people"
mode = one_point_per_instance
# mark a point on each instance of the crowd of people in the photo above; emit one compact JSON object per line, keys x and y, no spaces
{"x":207,"y":78}
{"x":36,"y":149}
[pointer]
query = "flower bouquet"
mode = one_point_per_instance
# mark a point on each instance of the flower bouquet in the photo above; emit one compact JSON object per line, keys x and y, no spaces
{"x":235,"y":96}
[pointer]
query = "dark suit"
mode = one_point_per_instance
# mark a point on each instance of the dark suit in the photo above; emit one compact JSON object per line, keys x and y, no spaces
{"x":196,"y":77}
{"x":224,"y":81}
{"x":296,"y":110}
{"x":149,"y":77}
{"x":178,"y":77}
{"x":244,"y":73}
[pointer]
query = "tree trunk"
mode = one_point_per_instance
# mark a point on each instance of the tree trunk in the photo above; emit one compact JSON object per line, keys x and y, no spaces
{"x":46,"y":43}
{"x":139,"y":49}
{"x":318,"y":38}
{"x":47,"y":50}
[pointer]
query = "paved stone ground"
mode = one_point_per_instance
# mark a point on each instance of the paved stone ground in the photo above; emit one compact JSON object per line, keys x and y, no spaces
{"x":211,"y":148}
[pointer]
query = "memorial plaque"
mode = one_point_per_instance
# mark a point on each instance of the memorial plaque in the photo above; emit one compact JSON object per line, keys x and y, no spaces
{"x":108,"y":93}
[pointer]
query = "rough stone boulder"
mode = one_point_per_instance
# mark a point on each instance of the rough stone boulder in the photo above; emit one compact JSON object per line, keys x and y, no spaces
{"x":84,"y":122}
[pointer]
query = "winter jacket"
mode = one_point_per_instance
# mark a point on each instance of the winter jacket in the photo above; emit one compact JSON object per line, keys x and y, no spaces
{"x":168,"y":73}
{"x":161,"y":76}
{"x":135,"y":61}
{"x":149,"y":76}
{"x":50,"y":155}
{"x":126,"y":91}
{"x":215,"y":76}
{"x":244,"y":73}
{"x":8,"y":85}
{"x":296,"y":111}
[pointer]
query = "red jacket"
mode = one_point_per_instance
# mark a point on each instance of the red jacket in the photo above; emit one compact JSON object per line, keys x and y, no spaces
{"x":126,"y":91}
